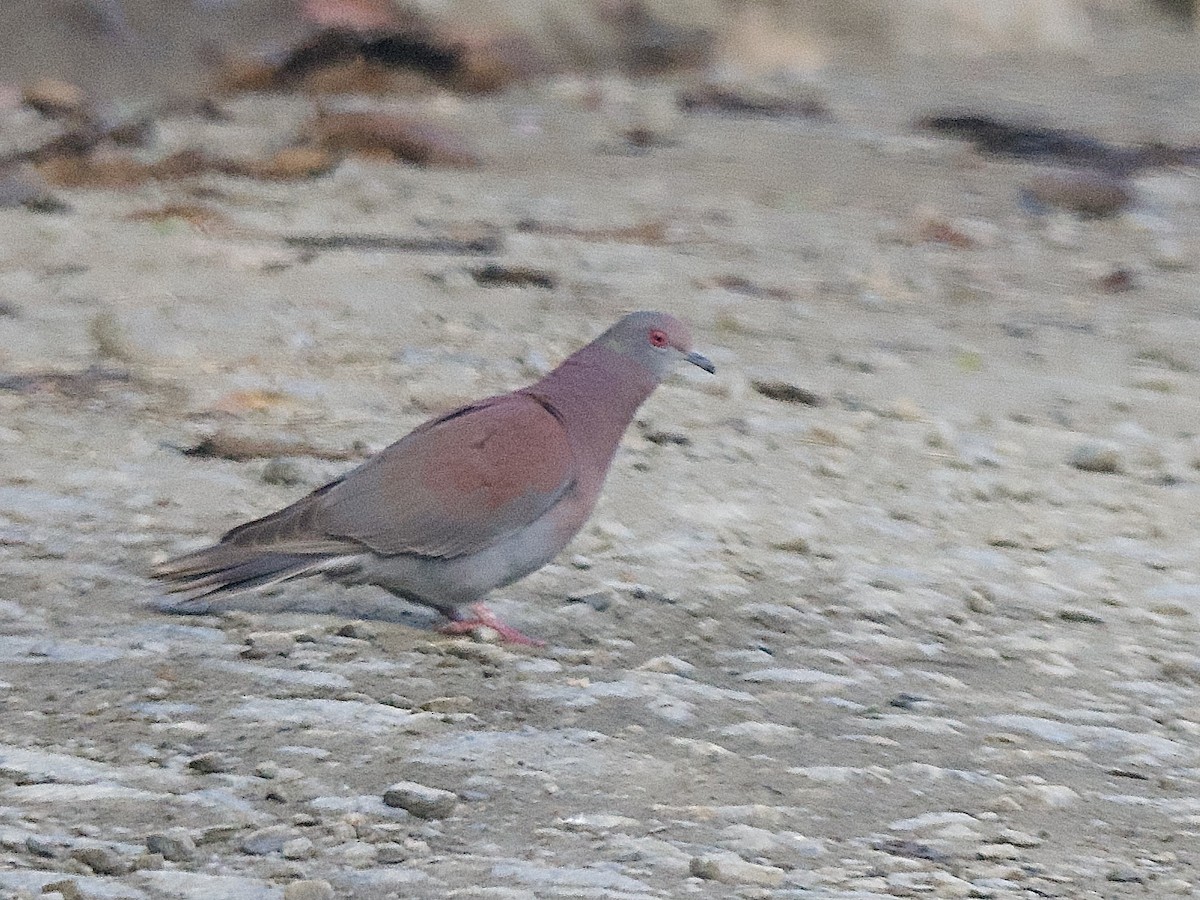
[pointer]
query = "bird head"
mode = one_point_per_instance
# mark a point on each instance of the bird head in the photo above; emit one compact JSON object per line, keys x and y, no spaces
{"x":658,"y":341}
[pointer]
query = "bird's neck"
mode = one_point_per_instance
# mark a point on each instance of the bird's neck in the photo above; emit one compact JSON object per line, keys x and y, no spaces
{"x":596,"y":393}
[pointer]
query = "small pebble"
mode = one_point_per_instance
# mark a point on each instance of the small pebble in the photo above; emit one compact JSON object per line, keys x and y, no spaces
{"x":358,"y":854}
{"x":297,"y":848}
{"x":67,"y":888}
{"x":314,"y":889}
{"x":358,"y":630}
{"x":263,"y":644}
{"x":670,"y":665}
{"x":460,"y":703}
{"x":597,"y":600}
{"x":390,"y":853}
{"x":211,"y":763}
{"x":283,"y":472}
{"x":268,"y":840}
{"x":101,"y":860}
{"x":1092,"y":457}
{"x":729,"y":868}
{"x":420,"y":800}
{"x":39,"y":846}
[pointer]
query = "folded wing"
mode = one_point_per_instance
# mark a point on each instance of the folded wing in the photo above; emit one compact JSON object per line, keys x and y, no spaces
{"x":452,"y":487}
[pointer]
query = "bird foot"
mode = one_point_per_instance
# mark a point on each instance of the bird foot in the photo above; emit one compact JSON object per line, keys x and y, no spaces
{"x":482,"y":616}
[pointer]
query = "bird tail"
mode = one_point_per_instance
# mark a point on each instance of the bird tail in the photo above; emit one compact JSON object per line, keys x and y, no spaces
{"x":225,"y":570}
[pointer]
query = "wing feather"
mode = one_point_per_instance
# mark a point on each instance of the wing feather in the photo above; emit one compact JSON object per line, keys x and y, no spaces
{"x":452,"y":487}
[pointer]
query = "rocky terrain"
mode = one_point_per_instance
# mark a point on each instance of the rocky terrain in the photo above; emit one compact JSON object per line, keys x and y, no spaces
{"x":904,"y":602}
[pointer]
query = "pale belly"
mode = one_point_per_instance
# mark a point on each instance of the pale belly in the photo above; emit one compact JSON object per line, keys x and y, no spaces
{"x":449,"y":583}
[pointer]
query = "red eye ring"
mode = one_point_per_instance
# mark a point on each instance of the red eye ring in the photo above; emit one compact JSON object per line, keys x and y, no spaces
{"x":658,"y":337}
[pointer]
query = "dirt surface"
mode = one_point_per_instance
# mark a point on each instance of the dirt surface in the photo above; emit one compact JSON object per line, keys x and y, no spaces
{"x":934,"y":636}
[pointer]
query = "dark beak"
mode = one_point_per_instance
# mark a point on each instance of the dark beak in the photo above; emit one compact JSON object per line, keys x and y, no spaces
{"x":697,"y":359}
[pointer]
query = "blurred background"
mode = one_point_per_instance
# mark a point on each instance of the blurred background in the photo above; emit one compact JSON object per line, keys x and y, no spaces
{"x":154,"y":46}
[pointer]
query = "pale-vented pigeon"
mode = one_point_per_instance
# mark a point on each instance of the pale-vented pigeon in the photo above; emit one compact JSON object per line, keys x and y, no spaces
{"x":467,"y":502}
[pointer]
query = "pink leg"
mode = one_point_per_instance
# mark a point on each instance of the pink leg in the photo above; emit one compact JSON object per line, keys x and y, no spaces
{"x":481,"y":615}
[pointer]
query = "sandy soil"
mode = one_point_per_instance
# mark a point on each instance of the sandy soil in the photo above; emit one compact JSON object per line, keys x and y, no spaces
{"x":898,"y":644}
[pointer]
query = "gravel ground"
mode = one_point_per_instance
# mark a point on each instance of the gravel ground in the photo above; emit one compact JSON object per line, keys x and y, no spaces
{"x":935,"y":635}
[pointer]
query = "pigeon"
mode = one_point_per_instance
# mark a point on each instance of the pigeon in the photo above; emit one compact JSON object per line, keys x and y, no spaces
{"x":467,"y":502}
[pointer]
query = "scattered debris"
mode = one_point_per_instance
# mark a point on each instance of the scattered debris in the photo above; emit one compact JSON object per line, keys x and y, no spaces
{"x":1057,"y":145}
{"x":288,"y":164}
{"x":214,"y":762}
{"x":257,"y":400}
{"x":1089,"y":193}
{"x":405,"y":48}
{"x":910,"y":849}
{"x":110,"y":170}
{"x":1081,"y":616}
{"x":398,"y":137}
{"x":484,"y":244}
{"x":737,"y":284}
{"x":990,"y":135}
{"x":936,"y":230}
{"x":638,"y":138}
{"x":652,"y":234}
{"x":787,"y":393}
{"x":1117,"y":281}
{"x":1096,"y":457}
{"x":378,"y":59}
{"x":123,"y":170}
{"x":109,"y":338}
{"x":734,"y":100}
{"x":201,"y":217}
{"x":83,"y":385}
{"x":664,"y":438}
{"x":498,"y":274}
{"x":223,"y":445}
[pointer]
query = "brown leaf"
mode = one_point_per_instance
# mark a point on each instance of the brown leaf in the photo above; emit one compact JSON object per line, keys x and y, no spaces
{"x":361,"y":76}
{"x":401,"y":137}
{"x":202,"y":217}
{"x":99,"y":172}
{"x":223,"y":445}
{"x":55,"y":98}
{"x":939,"y":231}
{"x":289,"y":164}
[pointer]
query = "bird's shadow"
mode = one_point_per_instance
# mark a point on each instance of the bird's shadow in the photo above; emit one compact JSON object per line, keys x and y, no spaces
{"x":363,"y":603}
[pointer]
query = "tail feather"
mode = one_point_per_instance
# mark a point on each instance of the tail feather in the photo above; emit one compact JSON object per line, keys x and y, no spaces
{"x":224,"y":570}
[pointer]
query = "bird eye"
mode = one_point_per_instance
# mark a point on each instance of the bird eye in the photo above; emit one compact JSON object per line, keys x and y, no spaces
{"x":658,"y":337}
